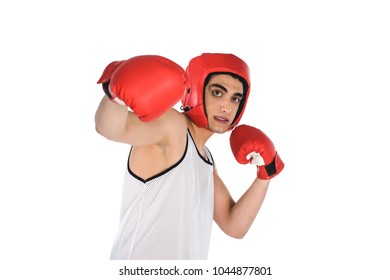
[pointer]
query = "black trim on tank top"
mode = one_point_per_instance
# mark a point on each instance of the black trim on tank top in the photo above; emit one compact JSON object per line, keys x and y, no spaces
{"x":206,"y":160}
{"x":160,"y":173}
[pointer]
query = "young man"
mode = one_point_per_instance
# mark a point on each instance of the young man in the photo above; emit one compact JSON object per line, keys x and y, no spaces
{"x":172,"y":191}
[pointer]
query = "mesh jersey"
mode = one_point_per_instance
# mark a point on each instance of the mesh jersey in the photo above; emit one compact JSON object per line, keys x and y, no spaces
{"x":168,"y":216}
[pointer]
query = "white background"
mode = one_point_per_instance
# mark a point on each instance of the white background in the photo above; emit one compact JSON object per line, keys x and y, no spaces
{"x":320,"y":90}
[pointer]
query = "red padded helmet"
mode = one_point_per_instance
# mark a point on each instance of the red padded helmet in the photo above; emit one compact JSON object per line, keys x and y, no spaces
{"x":198,"y":70}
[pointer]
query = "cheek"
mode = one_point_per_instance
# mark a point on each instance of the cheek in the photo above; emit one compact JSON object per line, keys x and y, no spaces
{"x":235,"y":107}
{"x":212,"y":108}
{"x":209,"y":103}
{"x":209,"y":98}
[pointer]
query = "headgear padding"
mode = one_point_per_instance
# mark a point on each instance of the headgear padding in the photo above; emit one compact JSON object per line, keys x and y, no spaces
{"x":198,"y":70}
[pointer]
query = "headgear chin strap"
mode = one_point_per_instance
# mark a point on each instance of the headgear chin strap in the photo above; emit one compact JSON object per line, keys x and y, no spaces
{"x":198,"y":70}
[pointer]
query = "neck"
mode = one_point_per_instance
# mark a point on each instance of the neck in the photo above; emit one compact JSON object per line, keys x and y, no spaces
{"x":200,"y":134}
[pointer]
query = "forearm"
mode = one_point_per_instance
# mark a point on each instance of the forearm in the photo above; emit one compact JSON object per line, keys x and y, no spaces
{"x":245,"y":210}
{"x":110,"y":118}
{"x":251,"y":145}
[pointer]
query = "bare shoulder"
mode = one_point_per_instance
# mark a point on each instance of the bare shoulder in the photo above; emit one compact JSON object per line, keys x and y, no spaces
{"x":163,"y":131}
{"x":174,"y":125}
{"x":175,"y":120}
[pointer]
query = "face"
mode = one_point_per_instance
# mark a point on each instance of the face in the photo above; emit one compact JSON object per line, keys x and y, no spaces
{"x":223,"y":95}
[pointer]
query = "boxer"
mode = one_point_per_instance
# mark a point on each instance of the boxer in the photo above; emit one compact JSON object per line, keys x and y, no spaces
{"x":172,"y":191}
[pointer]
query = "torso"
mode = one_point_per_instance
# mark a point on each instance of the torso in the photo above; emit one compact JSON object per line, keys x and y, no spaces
{"x":168,"y":214}
{"x":146,"y":161}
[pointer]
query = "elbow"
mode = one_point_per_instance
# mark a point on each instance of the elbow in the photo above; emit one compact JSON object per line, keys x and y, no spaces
{"x":99,"y":129}
{"x":237,"y":233}
{"x":103,"y":131}
{"x":102,"y":126}
{"x":98,"y":124}
{"x":106,"y":134}
{"x":109,"y":129}
{"x":234,"y":228}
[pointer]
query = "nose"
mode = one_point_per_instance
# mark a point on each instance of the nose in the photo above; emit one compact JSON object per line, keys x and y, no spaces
{"x":226,"y":106}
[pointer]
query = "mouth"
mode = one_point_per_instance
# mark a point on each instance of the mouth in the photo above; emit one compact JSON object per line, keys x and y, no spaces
{"x":221,"y":120}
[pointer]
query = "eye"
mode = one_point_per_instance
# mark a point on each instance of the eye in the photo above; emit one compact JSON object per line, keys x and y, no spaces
{"x":236,"y":99}
{"x":216,"y":93}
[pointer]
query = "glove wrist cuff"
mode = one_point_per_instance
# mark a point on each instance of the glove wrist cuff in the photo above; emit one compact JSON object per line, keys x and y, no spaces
{"x":106,"y":90}
{"x":270,"y":170}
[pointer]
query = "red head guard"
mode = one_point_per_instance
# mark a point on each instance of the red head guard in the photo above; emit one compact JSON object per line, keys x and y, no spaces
{"x":198,"y":70}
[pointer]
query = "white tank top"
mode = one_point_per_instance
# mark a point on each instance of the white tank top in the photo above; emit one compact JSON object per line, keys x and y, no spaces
{"x":168,"y":216}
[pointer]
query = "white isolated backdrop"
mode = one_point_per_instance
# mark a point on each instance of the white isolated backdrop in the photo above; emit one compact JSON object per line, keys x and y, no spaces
{"x":320,"y":86}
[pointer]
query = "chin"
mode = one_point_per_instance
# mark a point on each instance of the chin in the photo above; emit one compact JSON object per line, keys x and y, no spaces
{"x":219,"y":130}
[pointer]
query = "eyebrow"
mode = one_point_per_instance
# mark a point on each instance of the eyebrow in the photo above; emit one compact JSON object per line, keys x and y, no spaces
{"x":239,"y":94}
{"x":219,"y":86}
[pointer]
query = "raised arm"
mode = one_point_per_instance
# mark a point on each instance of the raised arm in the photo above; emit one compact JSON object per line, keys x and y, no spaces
{"x":147,"y":85}
{"x":236,"y":218}
{"x":249,"y":145}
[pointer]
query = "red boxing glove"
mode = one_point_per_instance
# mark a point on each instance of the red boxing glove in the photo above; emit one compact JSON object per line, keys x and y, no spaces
{"x":251,"y":145}
{"x":150,"y":85}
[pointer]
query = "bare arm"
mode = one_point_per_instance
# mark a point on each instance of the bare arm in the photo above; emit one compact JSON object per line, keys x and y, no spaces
{"x":111,"y":119}
{"x":117,"y":123}
{"x":150,"y":85}
{"x":235,"y":218}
